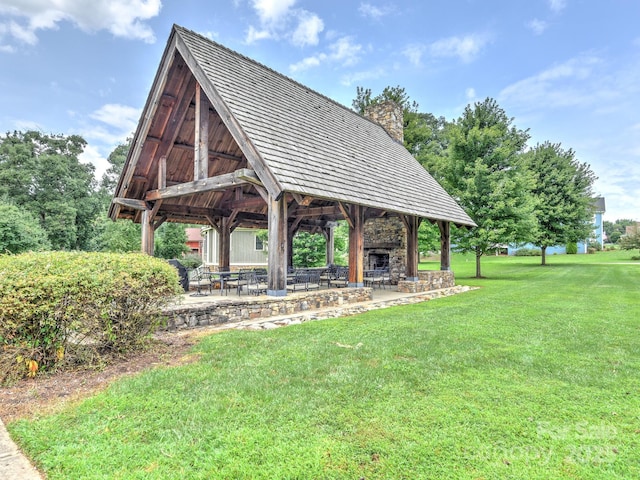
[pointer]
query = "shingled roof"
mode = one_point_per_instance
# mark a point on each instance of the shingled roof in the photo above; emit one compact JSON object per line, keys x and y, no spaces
{"x":297,"y":141}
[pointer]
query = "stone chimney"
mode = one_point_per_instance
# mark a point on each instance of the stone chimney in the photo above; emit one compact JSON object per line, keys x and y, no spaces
{"x":388,"y":115}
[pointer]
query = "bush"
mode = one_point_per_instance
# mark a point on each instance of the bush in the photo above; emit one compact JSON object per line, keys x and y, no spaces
{"x":62,"y":308}
{"x":191,"y":260}
{"x":528,"y":252}
{"x":572,"y":248}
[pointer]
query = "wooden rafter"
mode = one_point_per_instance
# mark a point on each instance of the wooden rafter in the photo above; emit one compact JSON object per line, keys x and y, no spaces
{"x":221,"y":182}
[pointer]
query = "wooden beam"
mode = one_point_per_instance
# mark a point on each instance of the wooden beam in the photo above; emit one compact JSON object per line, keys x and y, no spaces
{"x":212,"y":153}
{"x":201,"y":147}
{"x":356,"y":246}
{"x":221,"y":182}
{"x":247,"y":203}
{"x":147,"y":239}
{"x":131,"y":203}
{"x":162,"y":172}
{"x":330,"y":210}
{"x":411,"y":223}
{"x":346,"y":215}
{"x":277,"y":251}
{"x":445,"y":245}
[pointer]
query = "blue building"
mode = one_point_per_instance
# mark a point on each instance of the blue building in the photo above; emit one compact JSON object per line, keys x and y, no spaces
{"x":597,"y":235}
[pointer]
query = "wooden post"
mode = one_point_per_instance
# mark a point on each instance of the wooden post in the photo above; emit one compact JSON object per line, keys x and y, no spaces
{"x":201,"y":143}
{"x":445,"y":245}
{"x":329,"y":237}
{"x":277,"y":259}
{"x":356,"y":246}
{"x":147,"y":232}
{"x":162,"y":173}
{"x":224,"y":244}
{"x":412,"y":223}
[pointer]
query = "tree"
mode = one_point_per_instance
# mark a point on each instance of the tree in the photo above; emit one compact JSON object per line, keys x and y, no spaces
{"x":631,"y":240}
{"x":20,"y":230}
{"x":482,"y":174}
{"x":309,"y":250}
{"x":170,"y":241}
{"x":42,"y":174}
{"x":616,"y":229}
{"x":395,"y":94}
{"x":121,"y":236}
{"x":562,"y":196}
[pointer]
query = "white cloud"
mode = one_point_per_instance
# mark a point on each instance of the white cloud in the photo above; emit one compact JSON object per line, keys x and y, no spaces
{"x":470,"y":93}
{"x":566,"y":84}
{"x":373,"y":11}
{"x":465,"y":48}
{"x":254,"y":35}
{"x":414,"y":53}
{"x":279,"y":20}
{"x":343,"y":51}
{"x":121,"y":117}
{"x":557,"y":5}
{"x":272,"y":11}
{"x":360,"y":77}
{"x":309,"y":27}
{"x":93,"y":156}
{"x":123,"y":18}
{"x":538,"y":27}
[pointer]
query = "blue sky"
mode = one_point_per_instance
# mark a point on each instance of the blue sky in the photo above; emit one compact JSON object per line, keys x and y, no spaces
{"x":567,"y":70}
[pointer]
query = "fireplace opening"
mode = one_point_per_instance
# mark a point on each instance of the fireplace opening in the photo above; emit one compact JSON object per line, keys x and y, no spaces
{"x":378,"y":261}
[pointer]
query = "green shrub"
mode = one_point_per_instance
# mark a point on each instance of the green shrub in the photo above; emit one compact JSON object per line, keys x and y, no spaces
{"x":191,"y":260}
{"x":62,"y":308}
{"x":572,"y":248}
{"x":528,"y":252}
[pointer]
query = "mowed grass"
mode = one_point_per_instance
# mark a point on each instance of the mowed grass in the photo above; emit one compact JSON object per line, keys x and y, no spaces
{"x":535,"y":375}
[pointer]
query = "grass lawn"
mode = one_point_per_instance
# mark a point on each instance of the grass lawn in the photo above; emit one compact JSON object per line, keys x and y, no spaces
{"x":536,"y":375}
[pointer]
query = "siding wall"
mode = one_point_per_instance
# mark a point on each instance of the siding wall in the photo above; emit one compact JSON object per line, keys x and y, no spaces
{"x":243,"y":248}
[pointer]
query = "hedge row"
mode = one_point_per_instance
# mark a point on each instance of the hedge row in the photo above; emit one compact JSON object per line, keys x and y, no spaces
{"x":68,"y":308}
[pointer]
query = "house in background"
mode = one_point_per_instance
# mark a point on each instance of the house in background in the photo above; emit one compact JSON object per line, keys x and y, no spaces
{"x":247,"y":248}
{"x":194,"y":240}
{"x":597,"y":235}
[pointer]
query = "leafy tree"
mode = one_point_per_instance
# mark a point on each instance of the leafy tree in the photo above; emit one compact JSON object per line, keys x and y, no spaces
{"x":428,"y":237}
{"x":482,"y":174}
{"x":42,"y":174}
{"x":20,"y":231}
{"x":395,"y":94}
{"x":170,"y":241}
{"x":631,"y":241}
{"x":562,"y":196}
{"x":309,"y":250}
{"x":616,"y":229}
{"x":121,"y":236}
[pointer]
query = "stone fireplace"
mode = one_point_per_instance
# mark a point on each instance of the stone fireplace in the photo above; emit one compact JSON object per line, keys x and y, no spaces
{"x":385,"y":246}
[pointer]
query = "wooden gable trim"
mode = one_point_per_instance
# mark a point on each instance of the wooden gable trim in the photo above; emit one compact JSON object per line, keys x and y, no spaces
{"x":249,"y":150}
{"x":153,"y":100}
{"x":221,"y":182}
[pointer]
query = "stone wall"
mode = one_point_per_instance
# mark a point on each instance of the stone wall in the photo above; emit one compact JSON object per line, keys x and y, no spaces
{"x":389,"y":116}
{"x":237,"y":310}
{"x":386,"y":236}
{"x":428,"y":280}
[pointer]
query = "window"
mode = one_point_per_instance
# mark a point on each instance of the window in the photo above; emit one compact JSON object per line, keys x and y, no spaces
{"x":259,"y":243}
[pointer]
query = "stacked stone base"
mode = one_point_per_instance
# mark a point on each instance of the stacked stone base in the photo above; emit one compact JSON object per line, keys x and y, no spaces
{"x":428,"y":280}
{"x":238,"y":310}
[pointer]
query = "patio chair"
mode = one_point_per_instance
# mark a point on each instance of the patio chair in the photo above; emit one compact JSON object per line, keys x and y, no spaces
{"x":256,"y":283}
{"x":341,"y":278}
{"x":299,"y":282}
{"x":240,"y":281}
{"x":199,"y":278}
